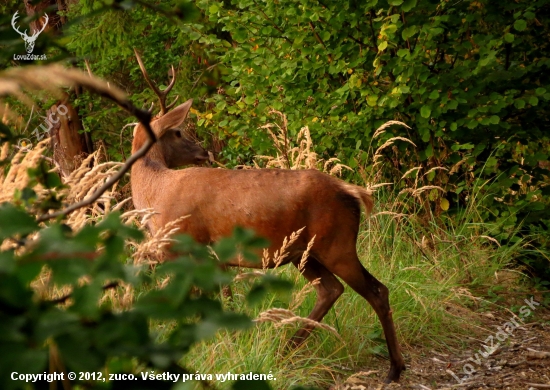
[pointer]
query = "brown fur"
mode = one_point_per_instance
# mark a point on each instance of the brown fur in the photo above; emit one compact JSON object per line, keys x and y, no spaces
{"x":272,"y":202}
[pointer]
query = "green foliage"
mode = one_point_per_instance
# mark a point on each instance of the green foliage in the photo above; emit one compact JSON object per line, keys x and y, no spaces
{"x":470,"y":78}
{"x":108,"y":40}
{"x":80,"y":332}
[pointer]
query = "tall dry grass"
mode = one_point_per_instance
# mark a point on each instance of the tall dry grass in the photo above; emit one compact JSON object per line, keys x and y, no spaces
{"x":297,"y":154}
{"x":79,"y":184}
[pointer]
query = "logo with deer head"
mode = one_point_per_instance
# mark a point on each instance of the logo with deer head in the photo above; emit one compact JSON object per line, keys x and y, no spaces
{"x":29,"y":41}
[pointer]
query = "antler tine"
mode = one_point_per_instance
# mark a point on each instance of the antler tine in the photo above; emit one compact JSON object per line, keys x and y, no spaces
{"x":173,"y":103}
{"x":160,"y":94}
{"x":146,"y":75}
{"x":150,"y":109}
{"x":173,"y":82}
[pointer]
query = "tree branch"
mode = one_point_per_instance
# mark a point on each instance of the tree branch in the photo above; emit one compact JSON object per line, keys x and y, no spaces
{"x":318,"y":38}
{"x":374,"y":40}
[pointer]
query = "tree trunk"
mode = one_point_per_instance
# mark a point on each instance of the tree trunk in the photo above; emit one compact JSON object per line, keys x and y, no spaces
{"x":69,"y":143}
{"x":55,"y":20}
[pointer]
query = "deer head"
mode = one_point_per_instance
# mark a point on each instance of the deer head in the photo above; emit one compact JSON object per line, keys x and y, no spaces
{"x":174,"y":148}
{"x":29,"y":41}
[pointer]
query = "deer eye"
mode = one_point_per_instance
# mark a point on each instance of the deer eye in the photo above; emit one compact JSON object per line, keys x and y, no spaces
{"x":178,"y":133}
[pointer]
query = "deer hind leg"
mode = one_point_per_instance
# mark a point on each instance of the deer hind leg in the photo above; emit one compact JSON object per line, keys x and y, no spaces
{"x":358,"y":278}
{"x":328,"y":289}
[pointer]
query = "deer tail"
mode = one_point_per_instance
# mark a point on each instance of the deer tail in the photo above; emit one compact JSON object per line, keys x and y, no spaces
{"x":362,"y":194}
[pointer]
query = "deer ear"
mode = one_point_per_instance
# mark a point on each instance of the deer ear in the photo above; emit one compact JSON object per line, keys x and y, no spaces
{"x":172,"y":118}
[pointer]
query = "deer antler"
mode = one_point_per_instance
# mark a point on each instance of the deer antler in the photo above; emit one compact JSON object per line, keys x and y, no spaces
{"x":161,"y":94}
{"x":15,"y":16}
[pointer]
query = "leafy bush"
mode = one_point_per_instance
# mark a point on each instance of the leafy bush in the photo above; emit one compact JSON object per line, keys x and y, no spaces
{"x":469,"y":78}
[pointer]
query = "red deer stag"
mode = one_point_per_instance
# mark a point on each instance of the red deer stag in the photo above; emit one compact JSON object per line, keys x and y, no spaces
{"x":272,"y":202}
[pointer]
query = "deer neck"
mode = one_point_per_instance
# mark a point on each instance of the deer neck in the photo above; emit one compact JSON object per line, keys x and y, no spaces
{"x":153,"y":159}
{"x":145,"y":175}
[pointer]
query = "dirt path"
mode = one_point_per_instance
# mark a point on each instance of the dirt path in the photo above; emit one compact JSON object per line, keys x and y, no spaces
{"x":520,"y":361}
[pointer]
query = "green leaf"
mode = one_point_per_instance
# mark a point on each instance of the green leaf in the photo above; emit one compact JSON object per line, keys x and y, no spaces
{"x":382,"y":45}
{"x":404,"y":88}
{"x":408,"y":32}
{"x":494,"y":119}
{"x":14,"y":221}
{"x":194,"y":35}
{"x":395,"y":2}
{"x":454,"y":126}
{"x":402,"y":52}
{"x":86,"y":299}
{"x":429,"y":151}
{"x":520,"y":24}
{"x":256,"y":295}
{"x":372,"y":100}
{"x":509,"y":37}
{"x":233,"y":321}
{"x":69,"y":270}
{"x":240,"y":35}
{"x":291,"y":11}
{"x":434,"y":94}
{"x":7,"y":261}
{"x":56,"y":322}
{"x":533,"y":100}
{"x":408,"y":5}
{"x":540,"y":91}
{"x":225,"y":249}
{"x":424,"y":76}
{"x":452,"y":105}
{"x":22,"y":359}
{"x":466,"y":146}
{"x":519,"y":103}
{"x":426,"y":111}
